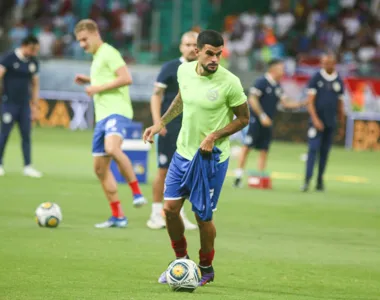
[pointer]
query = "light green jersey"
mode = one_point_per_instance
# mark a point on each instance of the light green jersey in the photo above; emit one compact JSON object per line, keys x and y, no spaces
{"x":207,"y":107}
{"x":117,"y":101}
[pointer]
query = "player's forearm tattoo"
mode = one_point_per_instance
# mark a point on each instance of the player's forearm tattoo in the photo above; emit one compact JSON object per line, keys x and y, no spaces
{"x":242,"y":119}
{"x":173,"y":111}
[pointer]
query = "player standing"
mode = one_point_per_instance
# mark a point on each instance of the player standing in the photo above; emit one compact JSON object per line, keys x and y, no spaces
{"x":209,"y":96}
{"x":264,"y":97}
{"x":19,"y":71}
{"x":165,"y":90}
{"x":325,"y":96}
{"x":113,"y":110}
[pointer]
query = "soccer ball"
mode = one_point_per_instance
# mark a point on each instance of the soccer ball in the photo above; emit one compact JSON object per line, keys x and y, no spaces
{"x":183,"y":275}
{"x":48,"y":214}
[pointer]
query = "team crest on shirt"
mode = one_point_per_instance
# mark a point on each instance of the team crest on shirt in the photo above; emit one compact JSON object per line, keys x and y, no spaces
{"x":212,"y":95}
{"x":336,"y":86}
{"x":32,"y":67}
{"x":268,"y":90}
{"x":320,"y":84}
{"x":16,"y":65}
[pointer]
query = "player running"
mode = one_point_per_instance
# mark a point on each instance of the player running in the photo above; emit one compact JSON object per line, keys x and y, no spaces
{"x":264,"y":98}
{"x":326,"y":91}
{"x":165,"y":90}
{"x":19,"y":71}
{"x":109,"y":83}
{"x":209,"y":96}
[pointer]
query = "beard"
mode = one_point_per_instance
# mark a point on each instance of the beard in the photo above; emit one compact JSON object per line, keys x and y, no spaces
{"x":208,"y":70}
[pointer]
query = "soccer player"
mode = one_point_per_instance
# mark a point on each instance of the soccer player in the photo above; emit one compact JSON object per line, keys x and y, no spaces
{"x":109,"y":81}
{"x":264,"y":97}
{"x":209,"y":96}
{"x":325,"y":96}
{"x":19,"y":71}
{"x":165,"y":90}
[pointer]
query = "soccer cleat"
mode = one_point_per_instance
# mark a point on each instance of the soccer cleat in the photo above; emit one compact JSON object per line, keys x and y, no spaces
{"x":2,"y":171}
{"x":139,"y":200}
{"x":156,"y":221}
{"x":320,"y":187}
{"x":207,"y":275}
{"x":162,"y":278}
{"x":305,"y":188}
{"x":113,"y":222}
{"x":238,"y":183}
{"x":29,"y":171}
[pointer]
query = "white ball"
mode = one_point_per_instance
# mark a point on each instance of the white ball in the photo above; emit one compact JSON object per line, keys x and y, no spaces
{"x":48,"y":214}
{"x":183,"y":275}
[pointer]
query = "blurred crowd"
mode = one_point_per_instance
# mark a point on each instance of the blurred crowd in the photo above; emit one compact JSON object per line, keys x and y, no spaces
{"x":53,"y":22}
{"x":298,"y":30}
{"x":304,"y":29}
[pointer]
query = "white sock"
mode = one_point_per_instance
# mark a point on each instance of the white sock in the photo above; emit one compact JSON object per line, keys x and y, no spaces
{"x":239,"y":173}
{"x":157,"y":208}
{"x":182,"y":212}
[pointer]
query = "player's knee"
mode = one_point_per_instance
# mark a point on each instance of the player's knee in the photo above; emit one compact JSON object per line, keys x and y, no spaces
{"x":100,"y":171}
{"x":205,"y":225}
{"x":172,"y":209}
{"x":112,"y":150}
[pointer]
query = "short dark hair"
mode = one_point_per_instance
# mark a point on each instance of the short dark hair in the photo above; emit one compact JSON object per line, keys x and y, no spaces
{"x":30,"y":40}
{"x":274,"y":61}
{"x":210,"y":37}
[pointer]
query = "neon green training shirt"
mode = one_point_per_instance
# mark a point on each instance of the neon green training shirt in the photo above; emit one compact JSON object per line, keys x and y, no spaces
{"x":116,"y":101}
{"x":207,"y":107}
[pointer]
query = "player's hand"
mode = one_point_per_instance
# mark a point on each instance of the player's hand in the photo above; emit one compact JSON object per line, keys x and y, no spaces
{"x":92,"y":90}
{"x":151,"y":131}
{"x":208,"y":144}
{"x":265,"y":120}
{"x":35,"y":114}
{"x":163,"y":131}
{"x":81,"y":79}
{"x":318,"y":124}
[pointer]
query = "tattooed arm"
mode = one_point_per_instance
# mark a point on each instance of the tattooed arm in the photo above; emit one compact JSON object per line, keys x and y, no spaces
{"x":173,"y":111}
{"x":242,"y":119}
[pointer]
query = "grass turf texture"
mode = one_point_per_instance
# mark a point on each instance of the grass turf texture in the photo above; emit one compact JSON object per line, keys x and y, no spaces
{"x":278,"y":244}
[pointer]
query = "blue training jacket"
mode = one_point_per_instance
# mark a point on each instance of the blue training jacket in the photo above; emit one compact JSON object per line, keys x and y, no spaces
{"x":199,"y":180}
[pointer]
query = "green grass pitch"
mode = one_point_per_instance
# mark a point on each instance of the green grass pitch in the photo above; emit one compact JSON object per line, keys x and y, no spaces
{"x":277,"y":244}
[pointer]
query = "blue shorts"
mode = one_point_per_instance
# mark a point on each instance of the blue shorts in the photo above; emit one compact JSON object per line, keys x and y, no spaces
{"x":177,"y":169}
{"x":258,"y":136}
{"x":166,"y":147}
{"x":112,"y":125}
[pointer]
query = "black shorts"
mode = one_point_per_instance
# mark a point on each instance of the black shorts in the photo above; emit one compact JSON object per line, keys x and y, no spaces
{"x":258,"y":136}
{"x":166,"y":147}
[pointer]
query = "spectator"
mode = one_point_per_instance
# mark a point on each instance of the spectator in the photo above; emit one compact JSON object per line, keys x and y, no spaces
{"x":47,"y":39}
{"x":17,"y":34}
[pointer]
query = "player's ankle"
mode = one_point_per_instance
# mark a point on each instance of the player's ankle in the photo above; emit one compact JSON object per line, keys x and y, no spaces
{"x":157,"y":208}
{"x":239,"y":172}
